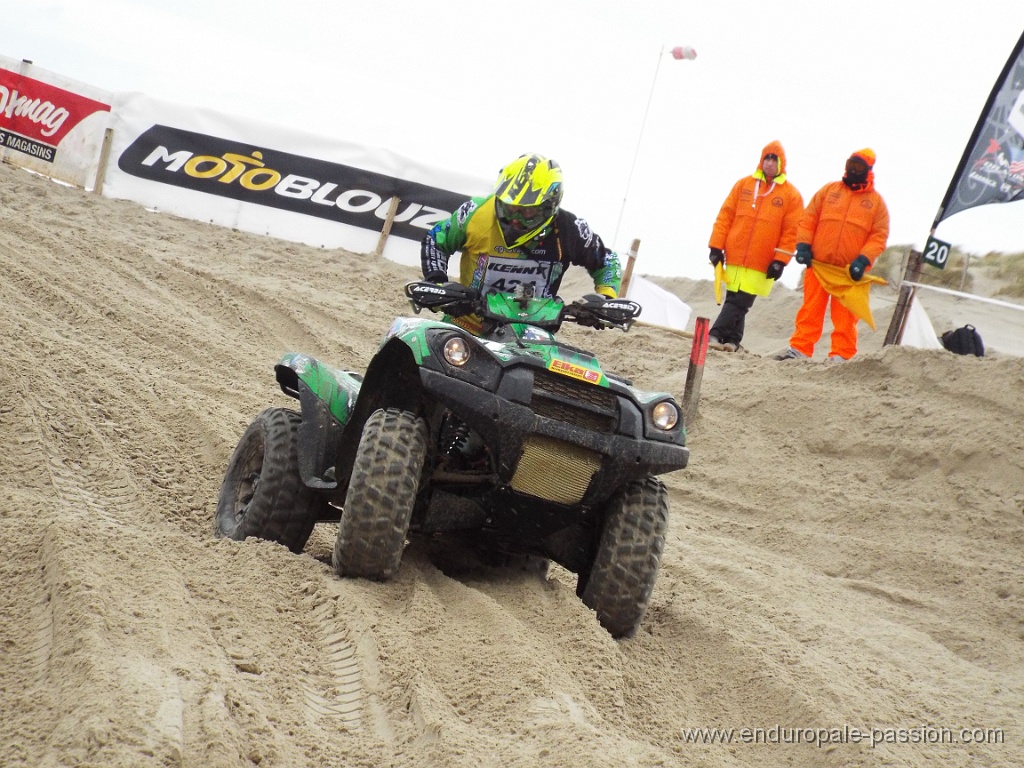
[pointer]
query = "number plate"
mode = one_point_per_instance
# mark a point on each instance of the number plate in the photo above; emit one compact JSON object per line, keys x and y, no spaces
{"x":936,"y":253}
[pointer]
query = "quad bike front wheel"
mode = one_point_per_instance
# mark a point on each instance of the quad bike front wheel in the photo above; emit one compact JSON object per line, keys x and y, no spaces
{"x":381,"y":495}
{"x":262,"y":494}
{"x":621,"y":580}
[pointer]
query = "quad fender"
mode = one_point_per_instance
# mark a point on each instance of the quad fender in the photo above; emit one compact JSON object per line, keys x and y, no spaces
{"x":327,"y":397}
{"x":392,"y":381}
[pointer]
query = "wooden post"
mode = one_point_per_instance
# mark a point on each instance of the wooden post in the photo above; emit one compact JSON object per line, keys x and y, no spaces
{"x":386,"y":229}
{"x":899,"y":315}
{"x":627,"y":275}
{"x":695,"y":372}
{"x":101,"y":170}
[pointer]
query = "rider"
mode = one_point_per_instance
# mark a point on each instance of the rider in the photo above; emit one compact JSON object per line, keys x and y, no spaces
{"x":518,"y":235}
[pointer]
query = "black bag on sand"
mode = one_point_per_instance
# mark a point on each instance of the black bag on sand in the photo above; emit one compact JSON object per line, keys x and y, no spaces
{"x":964,"y":341}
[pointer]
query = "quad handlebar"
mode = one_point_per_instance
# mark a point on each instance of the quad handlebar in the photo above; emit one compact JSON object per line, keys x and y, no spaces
{"x":592,"y":310}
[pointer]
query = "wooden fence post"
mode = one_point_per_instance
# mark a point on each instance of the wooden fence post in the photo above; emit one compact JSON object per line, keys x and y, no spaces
{"x":899,"y":315}
{"x":101,"y":170}
{"x":386,"y":229}
{"x":627,"y":275}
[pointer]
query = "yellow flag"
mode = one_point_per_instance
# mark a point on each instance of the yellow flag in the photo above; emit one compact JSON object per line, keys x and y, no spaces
{"x":719,"y":277}
{"x":852,"y":294}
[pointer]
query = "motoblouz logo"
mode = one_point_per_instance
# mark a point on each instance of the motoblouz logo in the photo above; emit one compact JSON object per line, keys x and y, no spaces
{"x":35,"y":116}
{"x":305,"y":185}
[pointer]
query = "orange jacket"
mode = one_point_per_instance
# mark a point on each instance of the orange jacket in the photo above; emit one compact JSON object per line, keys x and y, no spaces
{"x":759,"y":216}
{"x":841,"y":224}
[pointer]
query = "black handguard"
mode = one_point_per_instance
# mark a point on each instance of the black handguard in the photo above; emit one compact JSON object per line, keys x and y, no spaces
{"x":596,"y":311}
{"x":455,"y":299}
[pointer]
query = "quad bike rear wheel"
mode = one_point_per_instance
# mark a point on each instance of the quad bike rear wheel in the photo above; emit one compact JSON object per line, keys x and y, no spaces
{"x":621,"y":580}
{"x":381,"y":495}
{"x":262,"y":494}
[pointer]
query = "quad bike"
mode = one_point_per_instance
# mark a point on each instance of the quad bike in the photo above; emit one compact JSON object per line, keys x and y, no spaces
{"x":505,"y":438}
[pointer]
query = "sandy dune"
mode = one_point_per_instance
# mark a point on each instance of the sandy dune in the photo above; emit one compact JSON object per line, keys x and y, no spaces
{"x":845,"y":549}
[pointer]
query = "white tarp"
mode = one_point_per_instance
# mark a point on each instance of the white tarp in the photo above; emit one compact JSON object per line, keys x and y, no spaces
{"x":660,"y":307}
{"x":917,"y":328}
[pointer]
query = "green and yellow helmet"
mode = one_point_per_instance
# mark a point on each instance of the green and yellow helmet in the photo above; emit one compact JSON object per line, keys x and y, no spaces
{"x":526,"y":198}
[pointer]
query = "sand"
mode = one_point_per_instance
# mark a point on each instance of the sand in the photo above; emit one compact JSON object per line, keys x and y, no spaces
{"x":844,"y":552}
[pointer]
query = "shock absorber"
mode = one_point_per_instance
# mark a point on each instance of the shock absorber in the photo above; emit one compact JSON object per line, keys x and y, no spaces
{"x":456,"y":435}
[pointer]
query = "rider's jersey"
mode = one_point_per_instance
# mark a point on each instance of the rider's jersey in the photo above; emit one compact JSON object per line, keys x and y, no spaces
{"x":488,"y":264}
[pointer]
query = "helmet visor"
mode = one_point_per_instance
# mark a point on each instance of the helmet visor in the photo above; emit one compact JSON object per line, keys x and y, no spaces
{"x":522,"y":218}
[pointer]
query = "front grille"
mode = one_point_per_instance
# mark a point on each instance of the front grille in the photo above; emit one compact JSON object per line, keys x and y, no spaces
{"x":574,"y":402}
{"x":556,"y":471}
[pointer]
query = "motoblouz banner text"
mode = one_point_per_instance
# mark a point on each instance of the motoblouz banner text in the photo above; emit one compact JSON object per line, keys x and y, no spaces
{"x":286,"y":181}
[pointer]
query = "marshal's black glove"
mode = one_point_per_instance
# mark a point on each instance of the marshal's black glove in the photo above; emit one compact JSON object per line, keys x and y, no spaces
{"x":803,"y":254}
{"x":716,"y":257}
{"x":858,"y":266}
{"x":774,"y":271}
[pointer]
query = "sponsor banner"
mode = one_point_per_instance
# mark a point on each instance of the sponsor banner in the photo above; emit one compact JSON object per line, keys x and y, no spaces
{"x":270,"y":180}
{"x":992,"y":167}
{"x":49,"y":123}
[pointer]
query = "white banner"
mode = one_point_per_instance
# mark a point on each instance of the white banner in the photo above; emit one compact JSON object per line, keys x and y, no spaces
{"x":265,"y":179}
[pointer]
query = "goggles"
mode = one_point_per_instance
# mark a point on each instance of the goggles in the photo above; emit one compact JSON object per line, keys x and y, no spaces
{"x":522,"y":217}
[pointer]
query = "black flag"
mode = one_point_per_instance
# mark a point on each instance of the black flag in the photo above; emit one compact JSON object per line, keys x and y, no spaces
{"x":992,"y":167}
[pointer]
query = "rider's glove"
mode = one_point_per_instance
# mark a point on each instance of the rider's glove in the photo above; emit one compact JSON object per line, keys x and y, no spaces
{"x":716,"y":257}
{"x":436,"y":277}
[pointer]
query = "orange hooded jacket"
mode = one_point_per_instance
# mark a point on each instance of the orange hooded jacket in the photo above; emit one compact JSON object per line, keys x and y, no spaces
{"x":841,"y":223}
{"x":757,"y":217}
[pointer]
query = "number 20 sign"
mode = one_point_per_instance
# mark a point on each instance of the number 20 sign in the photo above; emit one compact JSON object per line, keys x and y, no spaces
{"x":936,"y":253}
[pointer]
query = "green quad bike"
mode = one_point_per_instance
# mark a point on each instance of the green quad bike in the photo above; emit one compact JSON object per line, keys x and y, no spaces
{"x":510,"y":440}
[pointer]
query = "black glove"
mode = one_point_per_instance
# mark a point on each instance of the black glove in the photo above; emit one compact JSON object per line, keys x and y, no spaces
{"x":436,"y":277}
{"x":717,"y":256}
{"x":858,"y":266}
{"x":774,"y":271}
{"x":803,"y":254}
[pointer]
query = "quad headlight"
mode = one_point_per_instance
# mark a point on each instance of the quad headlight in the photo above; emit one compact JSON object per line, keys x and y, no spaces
{"x":665,"y":415}
{"x":456,"y":351}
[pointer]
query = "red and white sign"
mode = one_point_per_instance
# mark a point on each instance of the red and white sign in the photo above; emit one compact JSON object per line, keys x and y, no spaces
{"x":49,"y":123}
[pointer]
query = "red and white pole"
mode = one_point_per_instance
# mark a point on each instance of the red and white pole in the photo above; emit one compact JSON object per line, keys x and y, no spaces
{"x":695,"y":372}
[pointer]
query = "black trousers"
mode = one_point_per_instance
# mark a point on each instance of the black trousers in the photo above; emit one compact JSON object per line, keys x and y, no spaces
{"x":728,"y":328}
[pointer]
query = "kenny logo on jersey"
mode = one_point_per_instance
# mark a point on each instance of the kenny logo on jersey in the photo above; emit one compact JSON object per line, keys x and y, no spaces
{"x":504,"y":274}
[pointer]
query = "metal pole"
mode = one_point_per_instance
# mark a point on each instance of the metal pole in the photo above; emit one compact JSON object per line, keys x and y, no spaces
{"x":636,"y":151}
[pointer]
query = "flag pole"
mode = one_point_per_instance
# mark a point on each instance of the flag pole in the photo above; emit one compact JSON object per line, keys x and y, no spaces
{"x":636,"y":150}
{"x":679,"y":52}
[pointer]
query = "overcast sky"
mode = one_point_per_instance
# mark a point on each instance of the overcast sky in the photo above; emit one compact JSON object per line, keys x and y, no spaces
{"x":471,"y":84}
